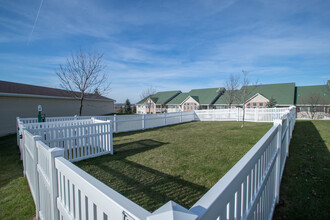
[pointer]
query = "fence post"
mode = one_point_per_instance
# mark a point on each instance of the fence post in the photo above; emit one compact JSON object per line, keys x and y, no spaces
{"x":111,"y":137}
{"x":143,"y":121}
{"x":54,"y":152}
{"x":22,"y":147}
{"x":255,"y":114}
{"x":172,"y":211}
{"x":213,"y":114}
{"x":278,"y":158}
{"x":165,"y":122}
{"x":115,"y":123}
{"x":180,"y":116}
{"x":237,"y":114}
{"x":288,"y":133}
{"x":36,"y":174}
{"x":17,"y":130}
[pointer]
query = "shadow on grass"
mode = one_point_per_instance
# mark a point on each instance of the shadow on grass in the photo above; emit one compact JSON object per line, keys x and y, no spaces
{"x":144,"y":185}
{"x":305,"y":187}
{"x":15,"y":198}
{"x":10,"y":163}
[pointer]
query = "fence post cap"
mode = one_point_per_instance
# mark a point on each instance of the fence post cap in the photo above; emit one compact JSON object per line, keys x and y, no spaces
{"x":278,"y":121}
{"x":172,"y":211}
{"x":57,"y":152}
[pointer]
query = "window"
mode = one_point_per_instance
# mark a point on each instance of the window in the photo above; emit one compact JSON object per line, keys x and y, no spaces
{"x":261,"y":105}
{"x":185,"y":107}
{"x":248,"y":105}
{"x":191,"y":107}
{"x":254,"y":105}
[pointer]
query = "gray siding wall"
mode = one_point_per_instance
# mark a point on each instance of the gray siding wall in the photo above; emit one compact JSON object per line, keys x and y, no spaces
{"x":27,"y":107}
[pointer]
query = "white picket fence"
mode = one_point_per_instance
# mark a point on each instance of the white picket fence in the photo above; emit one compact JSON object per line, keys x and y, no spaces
{"x":80,"y":139}
{"x":249,"y":190}
{"x":255,"y":115}
{"x":120,"y":123}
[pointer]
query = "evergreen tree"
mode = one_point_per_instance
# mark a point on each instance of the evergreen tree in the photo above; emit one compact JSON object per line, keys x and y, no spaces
{"x":272,"y":103}
{"x":121,"y":110}
{"x":127,"y":108}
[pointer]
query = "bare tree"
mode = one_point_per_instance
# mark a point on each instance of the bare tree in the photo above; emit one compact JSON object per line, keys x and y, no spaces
{"x":83,"y":73}
{"x":313,"y":102}
{"x":232,"y":84}
{"x":245,"y":92}
{"x":147,"y":93}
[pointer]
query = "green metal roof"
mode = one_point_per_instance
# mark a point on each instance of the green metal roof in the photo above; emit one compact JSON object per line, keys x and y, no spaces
{"x":202,"y":96}
{"x":222,"y":100}
{"x":206,"y":96}
{"x":161,"y":97}
{"x":303,"y":94}
{"x":283,"y":93}
{"x":178,"y":99}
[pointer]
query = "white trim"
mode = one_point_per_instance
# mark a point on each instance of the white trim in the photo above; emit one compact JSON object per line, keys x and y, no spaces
{"x":50,"y":97}
{"x":254,"y":97}
{"x":188,"y":98}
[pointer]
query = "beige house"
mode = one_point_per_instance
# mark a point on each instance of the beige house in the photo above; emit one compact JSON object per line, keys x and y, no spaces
{"x":257,"y":101}
{"x":155,"y":103}
{"x":22,"y":100}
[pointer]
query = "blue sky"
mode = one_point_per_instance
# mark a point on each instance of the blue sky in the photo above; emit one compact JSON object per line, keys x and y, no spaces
{"x":169,"y":45}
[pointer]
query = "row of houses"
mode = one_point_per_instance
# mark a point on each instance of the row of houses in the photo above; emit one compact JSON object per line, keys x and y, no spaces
{"x":284,"y":94}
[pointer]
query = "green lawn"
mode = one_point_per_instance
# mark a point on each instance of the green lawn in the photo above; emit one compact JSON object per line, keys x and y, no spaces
{"x":179,"y":163}
{"x":305,"y":188}
{"x":182,"y":162}
{"x":15,"y":198}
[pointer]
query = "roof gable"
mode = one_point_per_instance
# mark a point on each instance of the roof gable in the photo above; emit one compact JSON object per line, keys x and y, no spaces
{"x":258,"y":98}
{"x":191,"y":99}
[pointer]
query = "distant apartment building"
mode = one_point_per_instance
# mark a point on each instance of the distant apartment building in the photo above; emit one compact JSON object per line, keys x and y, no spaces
{"x":195,"y":99}
{"x":259,"y":96}
{"x":155,"y":103}
{"x":306,"y":98}
{"x":313,"y":99}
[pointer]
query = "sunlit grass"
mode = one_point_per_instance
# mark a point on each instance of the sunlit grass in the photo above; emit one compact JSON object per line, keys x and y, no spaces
{"x":179,"y":163}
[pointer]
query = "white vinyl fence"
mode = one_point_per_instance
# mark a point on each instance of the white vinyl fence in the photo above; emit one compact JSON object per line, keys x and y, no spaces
{"x":251,"y":114}
{"x":80,"y":139}
{"x":250,"y":190}
{"x":120,"y":123}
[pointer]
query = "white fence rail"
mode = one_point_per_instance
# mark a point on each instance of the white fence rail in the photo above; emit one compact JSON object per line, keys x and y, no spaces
{"x":82,"y":196}
{"x":61,"y":190}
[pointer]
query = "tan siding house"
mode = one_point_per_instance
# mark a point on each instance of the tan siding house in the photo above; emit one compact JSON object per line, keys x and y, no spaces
{"x":21,"y":100}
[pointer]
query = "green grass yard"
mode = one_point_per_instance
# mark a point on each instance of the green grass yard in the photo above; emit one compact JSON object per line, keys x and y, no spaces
{"x":143,"y":169}
{"x":15,"y":198}
{"x":179,"y":163}
{"x":305,"y":188}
